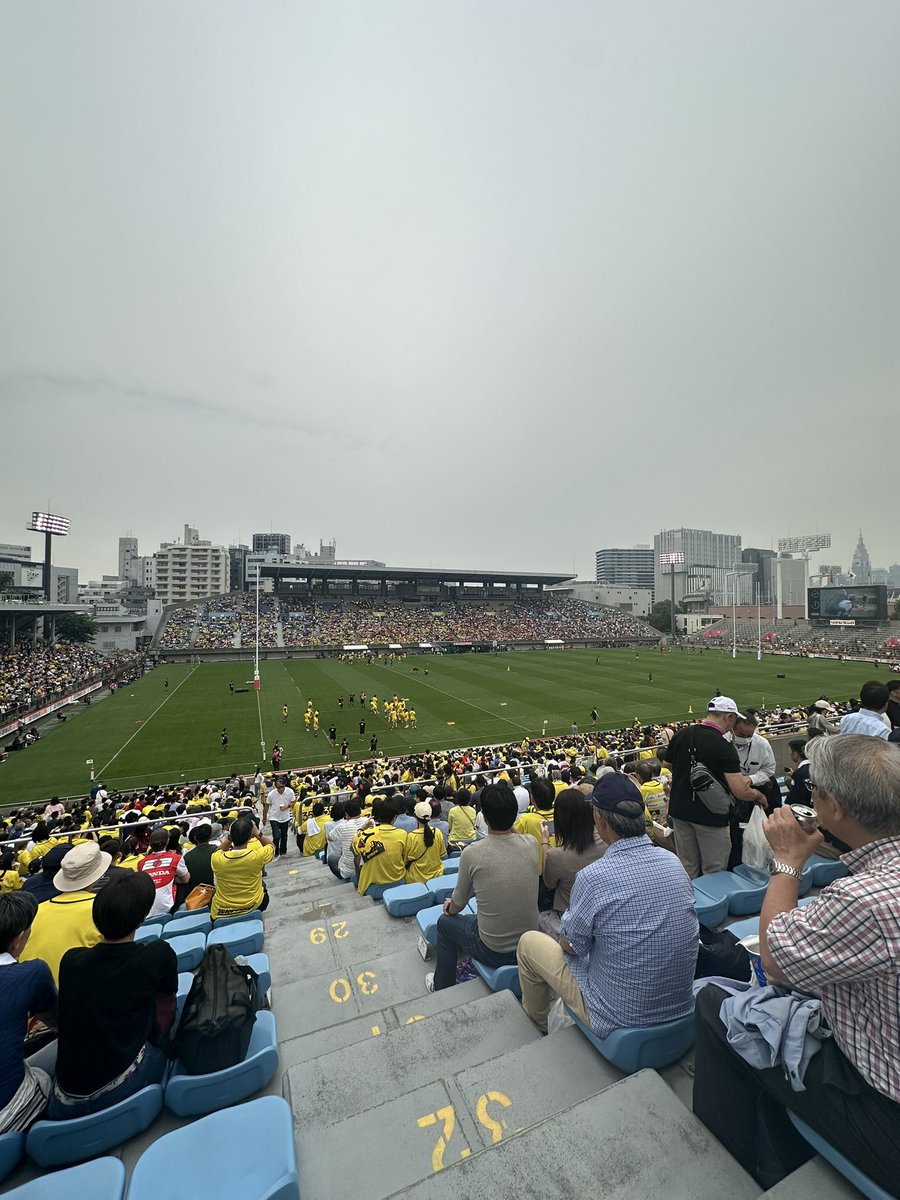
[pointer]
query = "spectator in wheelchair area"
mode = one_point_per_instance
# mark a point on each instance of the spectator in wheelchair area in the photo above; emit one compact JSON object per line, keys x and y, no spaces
{"x":501,"y":871}
{"x":116,"y":1005}
{"x":844,"y":947}
{"x":627,"y":950}
{"x":26,"y":990}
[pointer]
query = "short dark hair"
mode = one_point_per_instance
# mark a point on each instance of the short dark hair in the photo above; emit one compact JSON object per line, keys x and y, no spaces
{"x":241,"y":831}
{"x":383,"y":810}
{"x":798,"y":745}
{"x":159,"y":839}
{"x":873,"y":695}
{"x":122,"y":904}
{"x":17,"y":913}
{"x":352,"y":808}
{"x":499,"y":806}
{"x":200,"y":834}
{"x":542,"y":793}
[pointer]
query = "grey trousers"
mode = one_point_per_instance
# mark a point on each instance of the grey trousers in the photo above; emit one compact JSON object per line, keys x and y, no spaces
{"x":702,"y":849}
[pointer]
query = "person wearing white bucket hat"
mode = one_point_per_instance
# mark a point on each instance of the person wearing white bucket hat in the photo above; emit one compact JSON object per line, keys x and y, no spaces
{"x":66,"y":920}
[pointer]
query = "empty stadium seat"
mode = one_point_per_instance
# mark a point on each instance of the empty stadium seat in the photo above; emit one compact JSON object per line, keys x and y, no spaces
{"x":757,"y":876}
{"x":406,"y":899}
{"x":710,"y":912}
{"x":653,"y":1046}
{"x":189,"y":949}
{"x":189,"y":923}
{"x":12,"y":1147}
{"x":826,"y":870}
{"x":253,"y":915}
{"x":58,"y":1143}
{"x":260,"y":964}
{"x":742,"y":896}
{"x":427,"y":919}
{"x":441,"y":888}
{"x":185,"y":979}
{"x":181,"y":911}
{"x":749,"y":927}
{"x":195,"y":1161}
{"x":499,"y":979}
{"x":102,"y":1179}
{"x":148,"y":933}
{"x":843,"y":1165}
{"x":245,"y":937}
{"x":194,"y":1095}
{"x":160,"y":919}
{"x":451,"y":866}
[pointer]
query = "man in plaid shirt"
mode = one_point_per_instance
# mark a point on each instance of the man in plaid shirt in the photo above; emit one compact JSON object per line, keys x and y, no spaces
{"x":843,"y":948}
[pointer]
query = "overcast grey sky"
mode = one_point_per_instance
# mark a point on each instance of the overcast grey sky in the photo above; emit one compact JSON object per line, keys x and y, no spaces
{"x":472,"y":283}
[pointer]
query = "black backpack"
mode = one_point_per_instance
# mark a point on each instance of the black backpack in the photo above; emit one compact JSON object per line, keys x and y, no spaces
{"x":218,"y":1015}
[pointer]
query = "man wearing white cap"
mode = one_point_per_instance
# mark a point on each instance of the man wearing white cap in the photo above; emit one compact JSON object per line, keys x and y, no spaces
{"x":700,"y":817}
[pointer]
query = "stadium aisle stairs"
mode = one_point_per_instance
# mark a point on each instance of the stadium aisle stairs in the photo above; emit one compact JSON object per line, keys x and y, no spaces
{"x":397,"y":1092}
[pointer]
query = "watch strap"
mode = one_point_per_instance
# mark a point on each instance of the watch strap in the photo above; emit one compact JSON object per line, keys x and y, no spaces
{"x":780,"y":868}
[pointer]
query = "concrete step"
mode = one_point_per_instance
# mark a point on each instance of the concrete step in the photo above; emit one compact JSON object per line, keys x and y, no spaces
{"x":361,"y":1029}
{"x":355,"y":1078}
{"x":632,"y":1141}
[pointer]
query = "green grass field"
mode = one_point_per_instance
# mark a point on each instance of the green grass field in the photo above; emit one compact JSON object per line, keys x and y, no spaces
{"x":147,"y":734}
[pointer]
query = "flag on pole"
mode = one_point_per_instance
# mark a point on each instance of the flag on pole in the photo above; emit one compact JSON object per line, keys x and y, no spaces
{"x":256,"y":681}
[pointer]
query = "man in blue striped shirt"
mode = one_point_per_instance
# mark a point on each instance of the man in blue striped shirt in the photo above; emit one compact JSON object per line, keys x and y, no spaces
{"x":628,"y":948}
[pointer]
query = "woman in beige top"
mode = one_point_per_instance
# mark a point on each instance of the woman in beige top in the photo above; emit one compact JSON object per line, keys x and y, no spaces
{"x":577,"y":845}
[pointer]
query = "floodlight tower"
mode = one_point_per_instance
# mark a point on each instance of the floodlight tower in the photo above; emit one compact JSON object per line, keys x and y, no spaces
{"x":50,"y":526}
{"x":671,"y":560}
{"x":798,"y":545}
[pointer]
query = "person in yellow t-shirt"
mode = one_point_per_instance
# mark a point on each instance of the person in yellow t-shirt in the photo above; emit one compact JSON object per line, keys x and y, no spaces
{"x":10,"y":879}
{"x":314,"y":830}
{"x":380,"y":849}
{"x":66,"y":920}
{"x":461,"y":821}
{"x":424,"y":848}
{"x":540,"y":812}
{"x":653,"y":789}
{"x":237,"y":869}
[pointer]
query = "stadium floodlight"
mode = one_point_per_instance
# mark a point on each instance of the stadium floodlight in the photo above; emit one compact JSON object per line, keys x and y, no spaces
{"x":51,"y":525}
{"x":803,"y":546}
{"x":672,"y":559}
{"x":42,"y":522}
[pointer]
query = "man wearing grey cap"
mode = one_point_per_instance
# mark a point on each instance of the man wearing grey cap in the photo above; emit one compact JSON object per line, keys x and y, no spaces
{"x":702,"y":834}
{"x":628,"y":947}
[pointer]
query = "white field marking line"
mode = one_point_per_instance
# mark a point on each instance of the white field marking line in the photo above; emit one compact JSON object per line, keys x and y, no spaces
{"x":471,"y":704}
{"x":144,"y":724}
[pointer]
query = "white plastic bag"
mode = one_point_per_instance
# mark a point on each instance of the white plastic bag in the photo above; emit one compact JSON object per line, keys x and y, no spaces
{"x":557,"y":1017}
{"x":757,"y":851}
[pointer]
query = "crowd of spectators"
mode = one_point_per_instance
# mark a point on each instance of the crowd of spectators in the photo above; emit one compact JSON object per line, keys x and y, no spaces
{"x":34,"y":675}
{"x":388,"y":621}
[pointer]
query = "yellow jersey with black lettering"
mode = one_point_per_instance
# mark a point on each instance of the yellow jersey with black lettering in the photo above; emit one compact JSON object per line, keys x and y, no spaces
{"x":382,"y":855}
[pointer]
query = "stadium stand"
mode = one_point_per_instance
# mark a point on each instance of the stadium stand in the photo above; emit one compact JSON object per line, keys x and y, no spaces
{"x":31,"y":676}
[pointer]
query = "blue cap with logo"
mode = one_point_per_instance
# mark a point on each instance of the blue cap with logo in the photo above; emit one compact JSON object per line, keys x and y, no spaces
{"x":616,"y":793}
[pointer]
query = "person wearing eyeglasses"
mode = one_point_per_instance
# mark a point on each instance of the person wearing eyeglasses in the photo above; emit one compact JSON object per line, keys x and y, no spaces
{"x":843,"y":948}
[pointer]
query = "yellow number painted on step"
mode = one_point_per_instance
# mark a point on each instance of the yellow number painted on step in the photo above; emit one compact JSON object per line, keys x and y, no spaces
{"x":485,"y":1118}
{"x":412,"y":1020}
{"x":448,"y":1116}
{"x":366,"y":983}
{"x":339,"y":990}
{"x":339,"y":929}
{"x":318,"y":935}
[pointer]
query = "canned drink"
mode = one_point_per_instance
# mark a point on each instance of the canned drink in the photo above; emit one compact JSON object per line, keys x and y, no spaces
{"x":805,"y":816}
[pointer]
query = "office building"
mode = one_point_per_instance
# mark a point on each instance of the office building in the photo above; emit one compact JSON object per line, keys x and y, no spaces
{"x":280,"y":543}
{"x":632,"y":568}
{"x":702,"y":578}
{"x":189,"y":570}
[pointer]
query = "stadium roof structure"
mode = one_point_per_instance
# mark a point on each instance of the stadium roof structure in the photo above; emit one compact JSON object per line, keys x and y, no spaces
{"x":38,"y":608}
{"x":282,"y":571}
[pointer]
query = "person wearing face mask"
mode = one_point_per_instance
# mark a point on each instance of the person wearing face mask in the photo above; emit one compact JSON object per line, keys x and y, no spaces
{"x":702,"y":836}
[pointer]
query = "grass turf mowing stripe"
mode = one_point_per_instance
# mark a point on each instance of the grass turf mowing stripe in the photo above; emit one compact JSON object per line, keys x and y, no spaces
{"x":144,"y":724}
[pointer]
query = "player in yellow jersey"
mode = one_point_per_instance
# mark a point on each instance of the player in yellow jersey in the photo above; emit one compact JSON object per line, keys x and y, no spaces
{"x":315,"y":723}
{"x":284,"y":713}
{"x":307,"y":718}
{"x":412,"y":718}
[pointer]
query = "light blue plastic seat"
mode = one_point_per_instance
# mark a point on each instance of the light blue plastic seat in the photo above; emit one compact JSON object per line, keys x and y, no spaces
{"x":148,"y":933}
{"x":451,"y":866}
{"x":761,"y":878}
{"x":260,"y":964}
{"x":194,"y":1095}
{"x":185,"y":980}
{"x":842,"y":1165}
{"x":441,"y":888}
{"x":654,"y":1046}
{"x":320,"y":855}
{"x":746,"y":928}
{"x":58,"y":1143}
{"x":189,"y":923}
{"x":742,"y":896}
{"x":471,"y":909}
{"x":375,"y":891}
{"x":189,"y":949}
{"x":406,"y":899}
{"x":189,"y":1156}
{"x":12,"y":1148}
{"x":500,"y":979}
{"x":102,"y":1179}
{"x":710,"y":913}
{"x":246,"y":937}
{"x":181,"y":911}
{"x":253,"y":915}
{"x":427,"y":919}
{"x":826,"y":870}
{"x":160,"y":919}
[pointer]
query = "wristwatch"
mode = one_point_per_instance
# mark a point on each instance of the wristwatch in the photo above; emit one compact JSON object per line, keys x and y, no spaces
{"x":780,"y":868}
